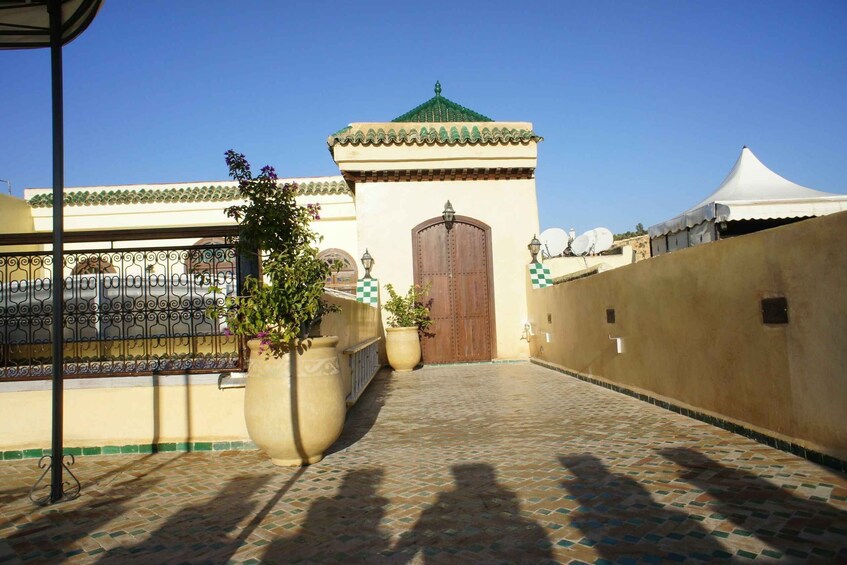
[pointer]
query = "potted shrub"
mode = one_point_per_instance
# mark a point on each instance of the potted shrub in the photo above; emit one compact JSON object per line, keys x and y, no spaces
{"x":294,"y":403}
{"x":408,"y":317}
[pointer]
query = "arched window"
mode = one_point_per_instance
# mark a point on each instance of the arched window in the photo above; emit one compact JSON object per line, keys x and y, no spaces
{"x":345,"y":279}
{"x":94,"y":266}
{"x":213,"y":262}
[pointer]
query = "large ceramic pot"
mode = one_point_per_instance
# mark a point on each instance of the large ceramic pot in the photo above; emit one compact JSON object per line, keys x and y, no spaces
{"x":294,"y":404}
{"x":403,"y":347}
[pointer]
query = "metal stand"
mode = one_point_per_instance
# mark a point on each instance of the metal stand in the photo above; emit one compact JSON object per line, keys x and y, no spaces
{"x":66,"y":489}
{"x":57,"y":491}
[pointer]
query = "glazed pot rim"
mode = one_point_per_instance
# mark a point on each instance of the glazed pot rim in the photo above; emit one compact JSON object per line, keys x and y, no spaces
{"x":402,"y":328}
{"x":322,"y":341}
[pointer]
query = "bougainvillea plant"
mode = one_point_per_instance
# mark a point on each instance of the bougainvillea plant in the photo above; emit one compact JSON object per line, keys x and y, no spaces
{"x":279,"y":307}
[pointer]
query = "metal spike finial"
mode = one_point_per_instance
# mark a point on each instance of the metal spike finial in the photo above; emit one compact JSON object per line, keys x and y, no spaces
{"x":437,"y":88}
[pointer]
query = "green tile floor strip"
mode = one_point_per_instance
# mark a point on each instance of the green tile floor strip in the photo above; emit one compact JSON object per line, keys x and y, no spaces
{"x":36,"y":453}
{"x":776,"y":443}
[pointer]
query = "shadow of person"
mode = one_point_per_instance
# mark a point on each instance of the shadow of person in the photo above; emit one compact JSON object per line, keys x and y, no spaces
{"x":620,"y":520}
{"x":346,"y":524}
{"x":796,"y":526}
{"x":201,"y":531}
{"x":478,"y":521}
{"x":53,"y":536}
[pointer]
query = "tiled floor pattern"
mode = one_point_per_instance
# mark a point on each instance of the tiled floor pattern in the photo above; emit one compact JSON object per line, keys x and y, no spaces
{"x":462,"y":464}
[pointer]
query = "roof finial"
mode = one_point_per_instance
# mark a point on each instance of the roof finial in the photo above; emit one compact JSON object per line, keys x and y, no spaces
{"x":437,"y":88}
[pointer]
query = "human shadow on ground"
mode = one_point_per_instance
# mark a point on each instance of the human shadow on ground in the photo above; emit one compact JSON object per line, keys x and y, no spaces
{"x":478,"y":521}
{"x":363,"y":415}
{"x":52,"y":536}
{"x":621,"y":521}
{"x":798,"y":527}
{"x":345,"y":524}
{"x":202,"y":531}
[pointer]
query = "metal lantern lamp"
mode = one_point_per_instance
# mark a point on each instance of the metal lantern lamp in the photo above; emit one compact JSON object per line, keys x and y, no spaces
{"x":534,"y":248}
{"x":367,"y":263}
{"x":449,"y":215}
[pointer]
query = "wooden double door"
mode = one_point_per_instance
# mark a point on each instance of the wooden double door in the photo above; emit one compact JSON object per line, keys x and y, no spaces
{"x":457,"y":263}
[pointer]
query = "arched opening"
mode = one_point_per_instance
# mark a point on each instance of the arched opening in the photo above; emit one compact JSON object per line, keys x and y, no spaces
{"x":211,"y":259}
{"x":345,"y":279}
{"x":94,"y":266}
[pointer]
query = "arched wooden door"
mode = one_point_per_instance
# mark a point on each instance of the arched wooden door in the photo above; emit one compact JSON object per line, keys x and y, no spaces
{"x":458,"y":264}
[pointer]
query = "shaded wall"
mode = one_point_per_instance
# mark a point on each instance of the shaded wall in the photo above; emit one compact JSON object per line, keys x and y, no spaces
{"x":692,"y":329}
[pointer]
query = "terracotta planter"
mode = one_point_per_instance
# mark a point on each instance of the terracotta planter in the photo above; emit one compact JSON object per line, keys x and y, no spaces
{"x":403,"y":347}
{"x":294,"y":404}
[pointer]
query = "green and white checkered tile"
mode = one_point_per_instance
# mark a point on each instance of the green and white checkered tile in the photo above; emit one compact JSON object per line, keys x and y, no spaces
{"x":367,"y":291}
{"x":539,"y":275}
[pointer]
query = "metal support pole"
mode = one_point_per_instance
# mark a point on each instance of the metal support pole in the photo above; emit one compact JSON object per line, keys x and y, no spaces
{"x":54,"y":8}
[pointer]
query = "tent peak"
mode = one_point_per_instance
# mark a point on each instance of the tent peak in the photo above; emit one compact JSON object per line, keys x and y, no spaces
{"x":750,"y":179}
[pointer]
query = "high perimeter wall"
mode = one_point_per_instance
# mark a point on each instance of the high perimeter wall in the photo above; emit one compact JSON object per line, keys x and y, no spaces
{"x":692,"y":329}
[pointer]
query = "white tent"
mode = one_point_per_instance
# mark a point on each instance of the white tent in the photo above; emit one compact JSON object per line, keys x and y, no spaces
{"x":750,"y":191}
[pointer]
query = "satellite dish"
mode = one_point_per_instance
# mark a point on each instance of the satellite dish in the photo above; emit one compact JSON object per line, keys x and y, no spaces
{"x":604,"y":239}
{"x":582,"y":244}
{"x":554,"y":241}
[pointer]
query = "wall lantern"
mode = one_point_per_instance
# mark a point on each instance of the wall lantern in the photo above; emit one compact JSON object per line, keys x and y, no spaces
{"x":448,"y":214}
{"x":534,"y":248}
{"x":367,"y":263}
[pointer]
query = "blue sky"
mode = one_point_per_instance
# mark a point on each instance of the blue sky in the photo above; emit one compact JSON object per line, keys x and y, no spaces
{"x":644,"y":106}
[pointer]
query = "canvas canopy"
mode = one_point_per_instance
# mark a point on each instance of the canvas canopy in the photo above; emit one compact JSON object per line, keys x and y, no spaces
{"x":751,"y":191}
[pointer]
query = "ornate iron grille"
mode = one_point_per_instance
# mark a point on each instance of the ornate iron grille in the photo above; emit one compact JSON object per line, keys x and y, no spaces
{"x":127,"y":311}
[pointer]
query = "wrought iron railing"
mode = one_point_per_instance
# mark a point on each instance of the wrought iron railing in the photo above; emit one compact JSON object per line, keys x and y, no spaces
{"x":126,"y":310}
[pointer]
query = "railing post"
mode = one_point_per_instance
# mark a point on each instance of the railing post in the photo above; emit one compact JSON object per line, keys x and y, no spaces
{"x":246,"y":265}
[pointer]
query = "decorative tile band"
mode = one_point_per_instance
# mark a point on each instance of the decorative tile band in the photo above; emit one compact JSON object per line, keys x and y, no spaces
{"x":776,"y":443}
{"x":132,"y":449}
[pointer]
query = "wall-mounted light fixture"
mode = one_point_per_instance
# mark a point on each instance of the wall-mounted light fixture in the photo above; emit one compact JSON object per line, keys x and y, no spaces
{"x":534,"y":248}
{"x":449,"y":215}
{"x":367,"y":263}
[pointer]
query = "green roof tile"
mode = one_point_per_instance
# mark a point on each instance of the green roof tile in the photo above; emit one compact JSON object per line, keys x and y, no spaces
{"x":440,"y":109}
{"x":432,"y":136}
{"x":214,"y":193}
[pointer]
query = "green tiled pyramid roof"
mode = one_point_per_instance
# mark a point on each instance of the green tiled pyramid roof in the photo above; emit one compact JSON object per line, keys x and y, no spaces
{"x":440,"y":109}
{"x":212,"y":193}
{"x":434,"y":136}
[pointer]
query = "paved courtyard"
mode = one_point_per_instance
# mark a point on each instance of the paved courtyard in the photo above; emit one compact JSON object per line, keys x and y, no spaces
{"x":500,"y":463}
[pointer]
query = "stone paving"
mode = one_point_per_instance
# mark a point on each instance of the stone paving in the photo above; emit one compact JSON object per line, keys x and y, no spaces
{"x":491,"y":463}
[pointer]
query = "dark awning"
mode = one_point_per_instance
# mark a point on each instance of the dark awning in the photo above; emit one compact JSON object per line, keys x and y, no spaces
{"x":26,"y":23}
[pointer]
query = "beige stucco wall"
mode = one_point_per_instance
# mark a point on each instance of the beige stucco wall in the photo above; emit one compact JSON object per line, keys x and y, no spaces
{"x":387,"y":213}
{"x":109,"y":412}
{"x":560,"y":266}
{"x":692,"y":329}
{"x":15,"y":215}
{"x":353,"y":324}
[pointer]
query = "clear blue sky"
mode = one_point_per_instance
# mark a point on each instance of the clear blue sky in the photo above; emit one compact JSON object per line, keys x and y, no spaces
{"x":644,"y":106}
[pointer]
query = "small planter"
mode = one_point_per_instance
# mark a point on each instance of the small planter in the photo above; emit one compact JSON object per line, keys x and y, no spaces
{"x":403,"y":347}
{"x":294,"y":404}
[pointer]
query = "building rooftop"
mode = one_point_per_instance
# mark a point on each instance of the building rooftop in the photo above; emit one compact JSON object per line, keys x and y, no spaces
{"x":147,"y":194}
{"x":439,"y":109}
